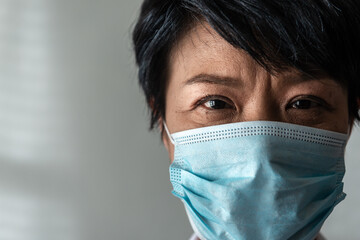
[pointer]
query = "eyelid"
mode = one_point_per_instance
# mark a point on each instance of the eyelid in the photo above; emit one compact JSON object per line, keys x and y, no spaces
{"x":212,"y":97}
{"x":316,"y":99}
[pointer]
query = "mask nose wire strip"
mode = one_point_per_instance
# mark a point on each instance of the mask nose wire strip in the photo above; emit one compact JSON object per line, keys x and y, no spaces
{"x":168,"y":133}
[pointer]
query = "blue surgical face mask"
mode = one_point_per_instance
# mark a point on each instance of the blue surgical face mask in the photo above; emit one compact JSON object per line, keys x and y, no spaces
{"x":258,"y":180}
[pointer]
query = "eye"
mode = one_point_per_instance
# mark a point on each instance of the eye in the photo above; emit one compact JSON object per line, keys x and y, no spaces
{"x":308,"y":110}
{"x":304,"y":104}
{"x":215,"y":103}
{"x":307,"y":102}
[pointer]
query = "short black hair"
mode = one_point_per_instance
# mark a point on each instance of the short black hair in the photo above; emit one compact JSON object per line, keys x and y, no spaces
{"x":313,"y":36}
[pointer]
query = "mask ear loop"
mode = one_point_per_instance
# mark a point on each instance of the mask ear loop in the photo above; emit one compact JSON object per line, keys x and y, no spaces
{"x":168,"y":133}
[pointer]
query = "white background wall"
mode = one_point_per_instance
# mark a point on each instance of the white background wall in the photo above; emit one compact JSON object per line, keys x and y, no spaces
{"x":76,"y":159}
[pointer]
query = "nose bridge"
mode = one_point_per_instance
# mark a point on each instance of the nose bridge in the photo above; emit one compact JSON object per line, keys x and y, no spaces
{"x":262,"y":103}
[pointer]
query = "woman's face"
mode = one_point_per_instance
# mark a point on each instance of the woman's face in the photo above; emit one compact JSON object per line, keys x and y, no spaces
{"x":210,"y":82}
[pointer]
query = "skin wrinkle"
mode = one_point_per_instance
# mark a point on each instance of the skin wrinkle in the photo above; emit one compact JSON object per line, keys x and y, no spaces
{"x":212,"y":79}
{"x":257,"y":95}
{"x":282,"y":36}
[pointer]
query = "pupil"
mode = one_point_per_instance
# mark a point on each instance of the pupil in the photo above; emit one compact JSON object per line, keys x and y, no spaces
{"x":217,"y":104}
{"x":302,"y":104}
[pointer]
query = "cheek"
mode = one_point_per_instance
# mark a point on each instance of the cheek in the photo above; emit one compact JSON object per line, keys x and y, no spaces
{"x":343,"y":116}
{"x":178,"y":104}
{"x":171,"y":154}
{"x":339,"y":120}
{"x":170,"y":149}
{"x":171,"y":108}
{"x":342,"y":123}
{"x":168,"y":145}
{"x":173,"y":120}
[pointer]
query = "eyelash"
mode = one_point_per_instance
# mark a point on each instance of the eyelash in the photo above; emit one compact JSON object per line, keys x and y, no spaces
{"x":313,"y":99}
{"x":208,"y":98}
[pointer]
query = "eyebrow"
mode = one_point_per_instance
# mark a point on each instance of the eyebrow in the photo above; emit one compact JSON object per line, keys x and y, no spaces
{"x":212,"y":79}
{"x":229,"y":81}
{"x":303,"y":77}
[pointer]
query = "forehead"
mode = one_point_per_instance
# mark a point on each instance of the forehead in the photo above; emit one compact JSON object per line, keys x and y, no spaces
{"x":203,"y":49}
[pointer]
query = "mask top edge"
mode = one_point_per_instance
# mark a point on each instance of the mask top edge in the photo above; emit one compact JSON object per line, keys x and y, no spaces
{"x":249,"y":126}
